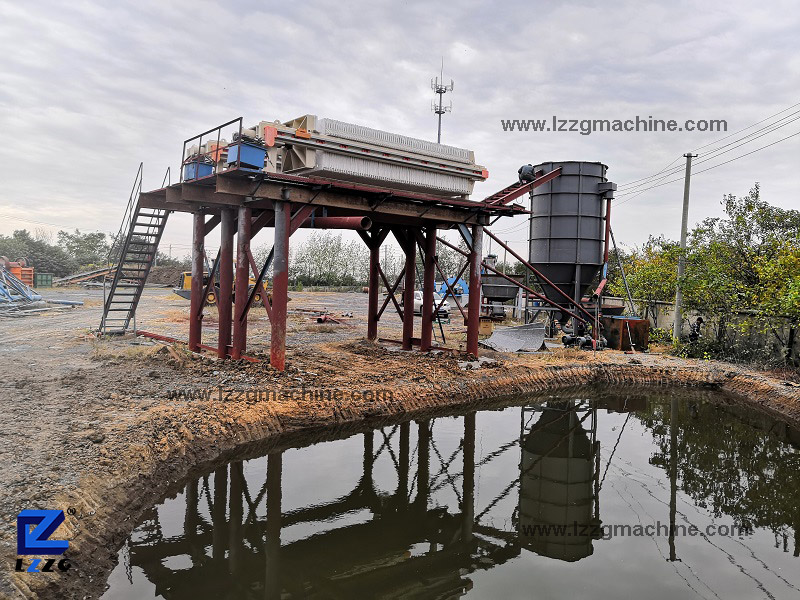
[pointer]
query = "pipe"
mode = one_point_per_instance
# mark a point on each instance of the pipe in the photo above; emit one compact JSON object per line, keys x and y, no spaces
{"x":608,"y":229}
{"x":600,"y":287}
{"x":357,"y":223}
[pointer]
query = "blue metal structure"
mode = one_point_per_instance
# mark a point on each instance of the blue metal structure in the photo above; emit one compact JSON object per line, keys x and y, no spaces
{"x":13,"y":290}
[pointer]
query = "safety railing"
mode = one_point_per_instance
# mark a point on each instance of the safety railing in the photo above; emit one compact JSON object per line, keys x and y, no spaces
{"x":197,"y":164}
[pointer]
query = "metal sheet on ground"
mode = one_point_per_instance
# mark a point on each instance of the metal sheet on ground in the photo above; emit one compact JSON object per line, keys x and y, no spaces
{"x":515,"y":339}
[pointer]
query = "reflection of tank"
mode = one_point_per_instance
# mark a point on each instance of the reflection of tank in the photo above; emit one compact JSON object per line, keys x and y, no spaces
{"x":567,"y":227}
{"x":556,"y":489}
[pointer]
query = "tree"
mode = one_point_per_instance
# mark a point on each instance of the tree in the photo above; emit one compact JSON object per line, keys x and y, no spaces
{"x":84,"y":248}
{"x":39,"y":254}
{"x":744,"y":265}
{"x":651,"y":271}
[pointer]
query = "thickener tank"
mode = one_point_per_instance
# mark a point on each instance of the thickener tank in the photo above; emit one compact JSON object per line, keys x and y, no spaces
{"x":567,"y":228}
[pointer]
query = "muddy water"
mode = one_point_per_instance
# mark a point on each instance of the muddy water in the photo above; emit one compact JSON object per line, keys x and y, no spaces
{"x":607,"y":495}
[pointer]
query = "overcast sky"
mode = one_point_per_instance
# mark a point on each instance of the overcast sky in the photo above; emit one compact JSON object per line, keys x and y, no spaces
{"x":90,"y":89}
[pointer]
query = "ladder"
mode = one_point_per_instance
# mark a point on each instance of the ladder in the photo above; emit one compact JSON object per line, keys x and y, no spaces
{"x":134,"y":251}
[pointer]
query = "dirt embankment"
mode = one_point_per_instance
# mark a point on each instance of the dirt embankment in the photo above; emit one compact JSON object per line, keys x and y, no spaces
{"x":136,"y":421}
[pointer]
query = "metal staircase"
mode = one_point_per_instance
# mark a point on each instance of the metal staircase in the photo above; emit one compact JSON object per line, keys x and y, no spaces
{"x":134,"y":251}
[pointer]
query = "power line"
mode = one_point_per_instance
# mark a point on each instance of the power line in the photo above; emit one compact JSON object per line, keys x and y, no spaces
{"x":748,"y":127}
{"x":715,"y":151}
{"x":635,"y":194}
{"x":15,"y":218}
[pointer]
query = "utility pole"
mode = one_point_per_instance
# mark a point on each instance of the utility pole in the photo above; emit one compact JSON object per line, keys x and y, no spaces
{"x":676,"y":327}
{"x":505,"y":258}
{"x":441,"y":89}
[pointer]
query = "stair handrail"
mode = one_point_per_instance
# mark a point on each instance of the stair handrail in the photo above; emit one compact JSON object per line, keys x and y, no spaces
{"x":127,"y":218}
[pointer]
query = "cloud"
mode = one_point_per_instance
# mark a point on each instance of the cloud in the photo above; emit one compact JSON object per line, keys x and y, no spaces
{"x":90,"y":89}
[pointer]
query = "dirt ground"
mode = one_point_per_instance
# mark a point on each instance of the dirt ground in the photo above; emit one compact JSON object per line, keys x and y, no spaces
{"x":102,"y":428}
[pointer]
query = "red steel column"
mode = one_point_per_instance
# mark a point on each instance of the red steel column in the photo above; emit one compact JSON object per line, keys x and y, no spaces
{"x":225,"y":281}
{"x":374,"y":290}
{"x":242,"y":280}
{"x":428,"y":283}
{"x":196,"y":294}
{"x":408,"y":290}
{"x":474,"y":308}
{"x":280,"y":284}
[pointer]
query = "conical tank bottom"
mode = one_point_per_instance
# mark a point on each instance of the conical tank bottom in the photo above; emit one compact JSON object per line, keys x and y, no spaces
{"x":563,"y":275}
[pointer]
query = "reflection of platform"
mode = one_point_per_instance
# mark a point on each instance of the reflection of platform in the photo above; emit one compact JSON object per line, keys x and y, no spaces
{"x":514,"y":339}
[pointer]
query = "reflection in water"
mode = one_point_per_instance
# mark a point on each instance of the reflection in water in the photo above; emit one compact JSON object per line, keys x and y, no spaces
{"x":456,"y":509}
{"x":559,"y":481}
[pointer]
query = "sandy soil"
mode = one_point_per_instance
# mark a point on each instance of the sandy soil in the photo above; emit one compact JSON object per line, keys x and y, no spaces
{"x":102,"y":428}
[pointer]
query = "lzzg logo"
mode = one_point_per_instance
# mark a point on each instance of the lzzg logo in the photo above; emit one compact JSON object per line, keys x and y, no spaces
{"x":34,"y":528}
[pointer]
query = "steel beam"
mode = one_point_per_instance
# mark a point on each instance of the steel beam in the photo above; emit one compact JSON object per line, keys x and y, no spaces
{"x":374,"y":285}
{"x":355,"y":202}
{"x":259,"y":286}
{"x":474,"y":307}
{"x":390,"y":289}
{"x":242,"y":281}
{"x":468,"y":493}
{"x":428,"y":283}
{"x":423,"y":465}
{"x":280,"y":284}
{"x":224,"y":306}
{"x":212,"y":223}
{"x":196,"y":294}
{"x":408,"y":289}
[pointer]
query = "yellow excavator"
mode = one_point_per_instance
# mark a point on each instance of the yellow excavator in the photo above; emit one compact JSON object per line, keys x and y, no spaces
{"x":184,"y":288}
